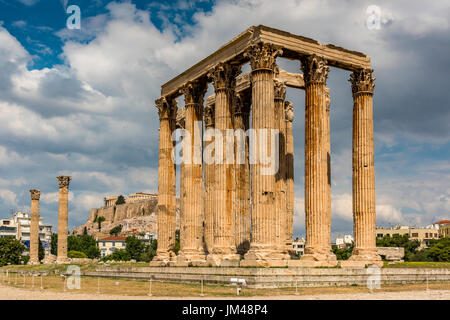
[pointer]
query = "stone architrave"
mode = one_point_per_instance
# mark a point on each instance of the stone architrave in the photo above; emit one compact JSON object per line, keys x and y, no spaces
{"x":263,"y":247}
{"x":241,"y":119}
{"x":191,"y":224}
{"x":289,"y":171}
{"x":364,"y":217}
{"x":317,"y":217}
{"x":34,"y":227}
{"x":167,"y":109}
{"x":63,"y":182}
{"x":224,"y":250}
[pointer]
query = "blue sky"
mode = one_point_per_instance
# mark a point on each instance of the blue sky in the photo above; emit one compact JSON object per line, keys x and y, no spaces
{"x":81,"y":102}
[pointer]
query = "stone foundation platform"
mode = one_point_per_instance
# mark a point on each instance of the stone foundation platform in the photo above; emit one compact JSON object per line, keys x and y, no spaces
{"x":277,"y":277}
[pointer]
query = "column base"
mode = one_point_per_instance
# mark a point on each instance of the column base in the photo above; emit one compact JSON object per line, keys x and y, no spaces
{"x":223,"y":260}
{"x":33,"y":262}
{"x":187,"y":258}
{"x":319,"y":257}
{"x":367,"y":257}
{"x":264,"y":256}
{"x":64,"y":260}
{"x":163,"y":259}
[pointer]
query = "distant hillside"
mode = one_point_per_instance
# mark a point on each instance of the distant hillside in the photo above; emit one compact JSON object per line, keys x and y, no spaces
{"x":137,"y":217}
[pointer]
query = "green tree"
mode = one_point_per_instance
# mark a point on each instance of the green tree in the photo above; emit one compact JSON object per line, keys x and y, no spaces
{"x":149,"y":251}
{"x":343,"y":254}
{"x":85,"y":243}
{"x":54,"y":244}
{"x":120,"y":200}
{"x":118,"y":255}
{"x":134,"y":247}
{"x":398,"y":240}
{"x":439,"y":251}
{"x":99,"y":221}
{"x":177,"y":241}
{"x":41,"y":252}
{"x":10,"y":251}
{"x":116,"y":230}
{"x":85,"y":231}
{"x":76,"y":254}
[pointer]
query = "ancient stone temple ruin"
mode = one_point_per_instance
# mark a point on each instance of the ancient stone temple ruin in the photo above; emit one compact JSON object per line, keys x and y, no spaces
{"x":240,"y":213}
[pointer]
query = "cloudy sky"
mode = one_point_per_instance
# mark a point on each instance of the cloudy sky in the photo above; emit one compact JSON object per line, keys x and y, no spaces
{"x":81,"y":102}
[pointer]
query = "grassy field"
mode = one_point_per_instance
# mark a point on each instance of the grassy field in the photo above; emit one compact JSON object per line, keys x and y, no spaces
{"x":92,"y":285}
{"x":411,"y":264}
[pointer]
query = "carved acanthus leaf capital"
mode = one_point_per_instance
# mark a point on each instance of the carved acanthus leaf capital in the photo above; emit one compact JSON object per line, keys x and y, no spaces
{"x":279,"y":90}
{"x":63,"y":181}
{"x":167,"y":108}
{"x":208,"y":115}
{"x":289,"y":111}
{"x":314,"y":69}
{"x":224,"y":75}
{"x":194,"y":92}
{"x":263,"y":55}
{"x":362,"y":81}
{"x":180,"y":118}
{"x":35,"y":194}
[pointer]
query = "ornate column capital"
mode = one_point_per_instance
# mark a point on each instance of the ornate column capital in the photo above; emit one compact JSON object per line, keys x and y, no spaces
{"x":314,"y":69}
{"x":167,"y":108}
{"x":362,"y":81}
{"x":279,"y":90}
{"x":194,"y":92}
{"x":289,"y":111}
{"x":180,"y":119}
{"x":262,"y":56}
{"x":208,"y":115}
{"x":224,"y":75}
{"x":242,"y":103}
{"x":64,"y":181}
{"x":35,"y":194}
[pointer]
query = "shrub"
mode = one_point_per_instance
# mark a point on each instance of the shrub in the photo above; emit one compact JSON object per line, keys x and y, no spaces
{"x":76,"y":254}
{"x":118,"y":255}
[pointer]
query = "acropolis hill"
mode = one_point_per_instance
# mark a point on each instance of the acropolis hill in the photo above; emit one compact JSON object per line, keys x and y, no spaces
{"x":138,"y":214}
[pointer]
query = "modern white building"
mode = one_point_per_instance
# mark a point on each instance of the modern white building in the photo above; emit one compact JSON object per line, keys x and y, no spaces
{"x":18,"y":226}
{"x":299,"y":246}
{"x":341,"y":242}
{"x":110,"y":244}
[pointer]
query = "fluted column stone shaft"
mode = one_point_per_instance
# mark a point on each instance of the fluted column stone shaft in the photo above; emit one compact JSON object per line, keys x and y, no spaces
{"x":209,"y":182}
{"x":34,"y":227}
{"x":289,"y":172}
{"x":364,"y":217}
{"x":263,"y":247}
{"x":224,"y":79}
{"x":318,"y":219}
{"x":241,"y":119}
{"x":63,"y":217}
{"x":191,"y":231}
{"x":166,"y":182}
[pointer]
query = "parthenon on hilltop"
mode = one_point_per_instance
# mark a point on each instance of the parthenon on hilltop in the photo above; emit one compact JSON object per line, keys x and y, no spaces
{"x":234,"y":213}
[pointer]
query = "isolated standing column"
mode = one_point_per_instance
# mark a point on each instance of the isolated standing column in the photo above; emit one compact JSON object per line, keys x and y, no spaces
{"x":34,"y":227}
{"x":364,"y":217}
{"x":63,"y":217}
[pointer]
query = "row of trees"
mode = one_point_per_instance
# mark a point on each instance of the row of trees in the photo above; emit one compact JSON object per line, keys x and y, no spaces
{"x":437,"y":251}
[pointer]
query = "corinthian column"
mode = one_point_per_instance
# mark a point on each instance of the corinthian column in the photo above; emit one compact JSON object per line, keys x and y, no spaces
{"x":63,"y":217}
{"x":241,"y":118}
{"x":34,"y":227}
{"x":364,"y":216}
{"x":224,"y":80}
{"x":263,"y":247}
{"x":191,"y":230}
{"x":317,"y":216}
{"x":209,"y":182}
{"x":280,"y":176}
{"x":289,"y":172}
{"x":167,"y":109}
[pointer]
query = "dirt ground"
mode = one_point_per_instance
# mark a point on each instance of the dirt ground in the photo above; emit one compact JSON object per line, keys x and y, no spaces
{"x":14,"y":293}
